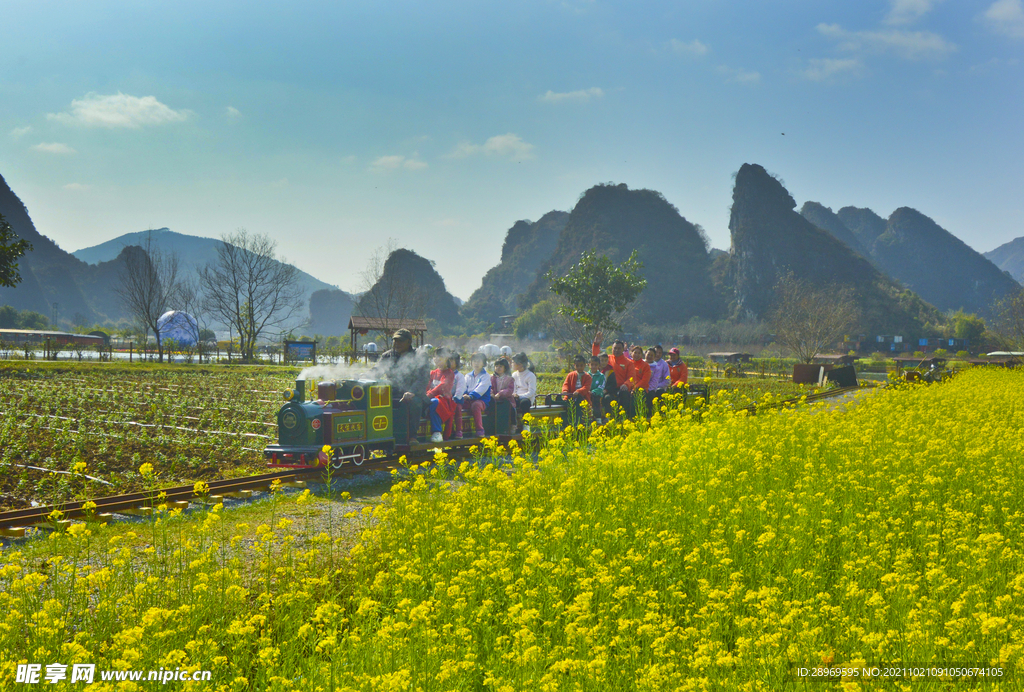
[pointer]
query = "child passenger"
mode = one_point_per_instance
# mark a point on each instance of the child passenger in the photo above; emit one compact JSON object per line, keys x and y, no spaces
{"x":442,"y":406}
{"x":576,"y":389}
{"x":478,"y":392}
{"x":526,"y":386}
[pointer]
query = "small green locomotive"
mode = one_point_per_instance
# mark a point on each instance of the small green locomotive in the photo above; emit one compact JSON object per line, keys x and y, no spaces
{"x":355,"y":419}
{"x":352,"y":417}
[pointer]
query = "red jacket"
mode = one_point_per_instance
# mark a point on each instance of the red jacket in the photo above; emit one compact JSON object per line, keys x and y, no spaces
{"x":577,"y":384}
{"x":442,"y":381}
{"x":678,"y":373}
{"x":643,"y":374}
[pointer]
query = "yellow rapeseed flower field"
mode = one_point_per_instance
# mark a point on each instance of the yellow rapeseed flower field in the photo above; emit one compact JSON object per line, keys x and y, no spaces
{"x":719,"y":553}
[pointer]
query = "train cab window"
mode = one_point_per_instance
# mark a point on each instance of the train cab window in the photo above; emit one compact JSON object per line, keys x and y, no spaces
{"x":380,"y":396}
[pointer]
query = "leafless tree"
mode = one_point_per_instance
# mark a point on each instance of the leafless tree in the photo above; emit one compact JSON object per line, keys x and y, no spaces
{"x":190,"y":301}
{"x":807,"y":319}
{"x":148,"y":285}
{"x":387,"y":293}
{"x":249,"y":289}
{"x":1009,"y":319}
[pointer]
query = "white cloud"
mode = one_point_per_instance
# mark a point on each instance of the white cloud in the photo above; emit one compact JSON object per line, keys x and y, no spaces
{"x":232,"y":113}
{"x":21,"y":131}
{"x":119,"y":110}
{"x":52,"y":148}
{"x":395,"y":162}
{"x":77,"y":187}
{"x":822,"y":69}
{"x":580,"y":96}
{"x":739,"y":75}
{"x":693,"y":47}
{"x":913,"y":45}
{"x":908,"y":11}
{"x":508,"y":145}
{"x":1006,"y":17}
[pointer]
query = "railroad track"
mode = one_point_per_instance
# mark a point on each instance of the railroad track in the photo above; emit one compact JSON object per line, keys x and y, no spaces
{"x":17,"y":523}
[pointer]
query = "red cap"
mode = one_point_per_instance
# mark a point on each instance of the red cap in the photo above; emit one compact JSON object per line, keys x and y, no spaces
{"x":674,"y":350}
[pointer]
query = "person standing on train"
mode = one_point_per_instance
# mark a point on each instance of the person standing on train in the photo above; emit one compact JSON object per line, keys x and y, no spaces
{"x":478,"y":392}
{"x":442,"y":405}
{"x":678,"y":371}
{"x":525,"y":389}
{"x":408,"y":374}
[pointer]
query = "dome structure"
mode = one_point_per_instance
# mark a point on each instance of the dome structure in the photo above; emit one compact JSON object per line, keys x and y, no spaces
{"x":180,"y":326}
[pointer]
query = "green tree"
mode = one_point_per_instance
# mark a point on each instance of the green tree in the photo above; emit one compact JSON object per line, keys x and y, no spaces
{"x":11,"y":248}
{"x":595,"y":292}
{"x":968,"y":326}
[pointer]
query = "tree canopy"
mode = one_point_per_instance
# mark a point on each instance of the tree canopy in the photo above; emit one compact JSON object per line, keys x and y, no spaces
{"x":595,"y":291}
{"x":11,"y":248}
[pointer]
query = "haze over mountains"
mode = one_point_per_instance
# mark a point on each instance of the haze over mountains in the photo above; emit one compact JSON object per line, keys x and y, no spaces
{"x":905,"y":270}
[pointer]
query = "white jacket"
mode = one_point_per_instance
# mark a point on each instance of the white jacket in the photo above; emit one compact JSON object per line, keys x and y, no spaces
{"x":526,"y":384}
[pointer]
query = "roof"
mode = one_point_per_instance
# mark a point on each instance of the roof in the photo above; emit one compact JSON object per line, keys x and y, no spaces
{"x":45,"y":333}
{"x":386,"y":324}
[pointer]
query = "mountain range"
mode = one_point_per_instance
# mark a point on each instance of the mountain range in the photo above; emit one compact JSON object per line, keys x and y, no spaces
{"x":919,"y":254}
{"x":905,"y":270}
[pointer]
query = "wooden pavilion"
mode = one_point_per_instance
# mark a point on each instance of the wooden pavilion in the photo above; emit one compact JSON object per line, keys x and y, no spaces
{"x":386,"y":325}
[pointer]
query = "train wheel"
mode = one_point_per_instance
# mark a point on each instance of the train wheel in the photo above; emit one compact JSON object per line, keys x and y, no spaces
{"x":359,"y":455}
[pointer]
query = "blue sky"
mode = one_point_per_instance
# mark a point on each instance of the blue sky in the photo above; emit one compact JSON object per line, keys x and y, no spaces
{"x":335,"y":126}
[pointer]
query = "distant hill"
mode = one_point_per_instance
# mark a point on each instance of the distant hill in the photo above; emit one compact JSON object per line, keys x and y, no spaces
{"x":409,"y":287}
{"x":615,"y":220}
{"x":823,"y":217}
{"x":51,"y":275}
{"x":770,"y":239}
{"x":527,"y":246}
{"x":937,"y":265}
{"x":329,"y":312}
{"x":193,"y":252}
{"x":865,"y":224}
{"x":1010,"y":258}
{"x":920,"y":254}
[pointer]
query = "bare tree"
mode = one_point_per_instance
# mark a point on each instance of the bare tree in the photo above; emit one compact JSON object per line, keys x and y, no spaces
{"x":1009,"y":319}
{"x":148,"y":285}
{"x":249,"y":289}
{"x":387,"y":292}
{"x":190,"y":301}
{"x":807,"y":319}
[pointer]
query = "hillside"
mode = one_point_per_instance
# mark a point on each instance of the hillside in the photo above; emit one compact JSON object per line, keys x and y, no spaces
{"x":1009,"y":257}
{"x":528,"y":245}
{"x":615,"y":221}
{"x":409,"y":287}
{"x":770,"y":239}
{"x":193,"y":252}
{"x":937,"y":265}
{"x":825,"y":219}
{"x":51,"y":275}
{"x":865,"y":225}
